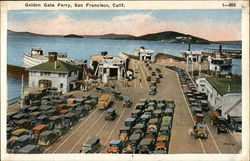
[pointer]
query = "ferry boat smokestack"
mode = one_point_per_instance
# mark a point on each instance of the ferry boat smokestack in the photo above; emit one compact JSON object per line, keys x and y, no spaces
{"x":220,"y":49}
{"x":189,"y":47}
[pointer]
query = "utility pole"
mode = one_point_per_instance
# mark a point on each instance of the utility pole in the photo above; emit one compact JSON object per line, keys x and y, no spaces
{"x":21,"y":98}
{"x":192,"y":69}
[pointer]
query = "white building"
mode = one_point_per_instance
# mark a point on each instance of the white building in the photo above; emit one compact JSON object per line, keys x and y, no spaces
{"x":54,"y":73}
{"x":223,"y":93}
{"x":111,"y":67}
{"x":145,"y":54}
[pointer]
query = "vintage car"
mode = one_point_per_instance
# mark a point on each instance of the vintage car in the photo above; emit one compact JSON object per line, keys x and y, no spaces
{"x":92,"y":145}
{"x":115,"y":146}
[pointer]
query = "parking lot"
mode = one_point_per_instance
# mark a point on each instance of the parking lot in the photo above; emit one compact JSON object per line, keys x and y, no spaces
{"x":169,"y":88}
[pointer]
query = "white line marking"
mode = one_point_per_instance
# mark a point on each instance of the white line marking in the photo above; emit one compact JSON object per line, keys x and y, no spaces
{"x":144,"y":67}
{"x":102,"y":128}
{"x":114,"y":128}
{"x":134,"y":74}
{"x":73,"y":132}
{"x":86,"y":132}
{"x":144,"y":77}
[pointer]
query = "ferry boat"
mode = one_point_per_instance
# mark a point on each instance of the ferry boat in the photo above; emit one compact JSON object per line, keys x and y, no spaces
{"x":219,"y":63}
{"x":36,"y":56}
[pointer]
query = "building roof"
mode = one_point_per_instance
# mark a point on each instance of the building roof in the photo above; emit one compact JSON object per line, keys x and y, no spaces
{"x":98,"y":58}
{"x":50,"y":66}
{"x":221,"y":85}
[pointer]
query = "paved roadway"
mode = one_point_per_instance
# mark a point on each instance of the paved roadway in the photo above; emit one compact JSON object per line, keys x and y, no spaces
{"x":181,"y":141}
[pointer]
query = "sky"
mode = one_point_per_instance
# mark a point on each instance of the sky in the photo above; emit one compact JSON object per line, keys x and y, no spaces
{"x":213,"y":25}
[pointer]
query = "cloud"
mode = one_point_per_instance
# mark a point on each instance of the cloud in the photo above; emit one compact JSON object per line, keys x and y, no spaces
{"x":133,"y":24}
{"x":137,"y":17}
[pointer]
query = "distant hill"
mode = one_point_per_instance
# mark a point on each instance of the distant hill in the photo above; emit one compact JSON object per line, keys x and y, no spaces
{"x":172,"y":37}
{"x":73,"y":36}
{"x":236,"y":42}
{"x":9,"y":32}
{"x":167,"y":36}
{"x":115,"y":36}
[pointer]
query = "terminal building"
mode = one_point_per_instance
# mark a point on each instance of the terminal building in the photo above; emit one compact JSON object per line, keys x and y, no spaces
{"x":223,"y":93}
{"x":108,"y":67}
{"x":54,"y":73}
{"x":145,"y":54}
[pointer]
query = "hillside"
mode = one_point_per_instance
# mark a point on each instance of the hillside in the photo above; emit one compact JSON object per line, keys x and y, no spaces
{"x":172,"y":37}
{"x":115,"y":36}
{"x":73,"y":36}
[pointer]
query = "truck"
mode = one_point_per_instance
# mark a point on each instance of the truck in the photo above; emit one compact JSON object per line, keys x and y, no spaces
{"x":104,"y":101}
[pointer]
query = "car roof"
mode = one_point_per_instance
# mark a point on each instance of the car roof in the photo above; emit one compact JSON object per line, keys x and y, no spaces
{"x":18,"y":115}
{"x":44,"y":107}
{"x":125,"y":128}
{"x":45,"y":133}
{"x":27,"y":148}
{"x":130,"y":119}
{"x":54,"y":117}
{"x":23,"y":138}
{"x":33,"y":108}
{"x":39,"y":127}
{"x":111,"y":109}
{"x":145,"y":116}
{"x":70,"y":114}
{"x":115,"y":142}
{"x":139,"y":125}
{"x":91,"y":140}
{"x":201,"y":126}
{"x":146,"y":141}
{"x":135,"y":137}
{"x":42,"y":117}
{"x":18,"y":131}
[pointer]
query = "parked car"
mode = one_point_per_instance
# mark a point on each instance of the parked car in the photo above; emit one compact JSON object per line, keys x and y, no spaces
{"x":47,"y":138}
{"x":146,"y":146}
{"x":115,"y":146}
{"x":236,"y":124}
{"x":30,"y":149}
{"x":92,"y":145}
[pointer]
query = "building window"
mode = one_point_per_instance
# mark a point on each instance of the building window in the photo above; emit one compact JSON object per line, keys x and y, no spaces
{"x":61,"y":85}
{"x":62,"y":75}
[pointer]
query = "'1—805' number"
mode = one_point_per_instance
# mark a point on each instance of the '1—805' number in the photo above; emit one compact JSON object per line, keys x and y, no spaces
{"x":229,"y":5}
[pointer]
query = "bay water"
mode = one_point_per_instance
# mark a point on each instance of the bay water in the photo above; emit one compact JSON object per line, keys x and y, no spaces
{"x":84,"y":48}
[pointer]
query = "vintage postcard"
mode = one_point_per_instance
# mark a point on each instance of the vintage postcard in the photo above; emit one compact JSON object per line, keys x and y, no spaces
{"x":125,"y":80}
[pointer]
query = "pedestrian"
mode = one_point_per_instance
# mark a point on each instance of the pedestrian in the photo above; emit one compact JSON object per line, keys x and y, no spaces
{"x":140,"y":80}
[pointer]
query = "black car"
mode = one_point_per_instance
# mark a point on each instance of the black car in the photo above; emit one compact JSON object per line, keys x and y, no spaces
{"x":236,"y":124}
{"x":148,"y":78}
{"x":111,"y":114}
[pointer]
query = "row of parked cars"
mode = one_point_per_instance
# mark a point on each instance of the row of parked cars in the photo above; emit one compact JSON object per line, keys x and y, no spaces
{"x":147,"y":130}
{"x":197,"y":102}
{"x":154,"y":79}
{"x":35,"y":127}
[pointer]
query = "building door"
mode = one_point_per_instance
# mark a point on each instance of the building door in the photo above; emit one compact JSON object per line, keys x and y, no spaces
{"x":113,"y":72}
{"x":45,"y":83}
